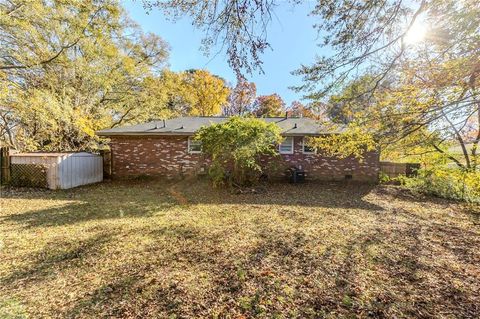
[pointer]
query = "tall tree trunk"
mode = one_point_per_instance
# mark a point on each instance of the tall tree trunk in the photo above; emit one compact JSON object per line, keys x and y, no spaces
{"x":460,"y":141}
{"x":476,"y":140}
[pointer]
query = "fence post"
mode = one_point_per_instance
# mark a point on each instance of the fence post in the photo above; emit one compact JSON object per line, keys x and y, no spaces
{"x":412,"y":169}
{"x":107,"y":163}
{"x":4,"y":165}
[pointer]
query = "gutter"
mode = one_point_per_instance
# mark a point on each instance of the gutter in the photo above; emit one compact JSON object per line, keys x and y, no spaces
{"x":105,"y":134}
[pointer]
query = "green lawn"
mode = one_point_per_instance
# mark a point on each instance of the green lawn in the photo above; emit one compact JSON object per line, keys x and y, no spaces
{"x":164,"y":250}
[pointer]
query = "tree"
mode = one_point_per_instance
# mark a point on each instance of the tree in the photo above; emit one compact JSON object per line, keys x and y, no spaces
{"x":423,"y":92}
{"x":356,"y":30}
{"x":69,"y":68}
{"x":300,"y":110}
{"x":192,"y":92}
{"x":236,"y":147}
{"x":206,"y":93}
{"x":342,"y":107}
{"x":268,"y":105}
{"x":237,"y":25}
{"x":241,"y":98}
{"x":428,"y":107}
{"x":352,"y":142}
{"x":38,"y":33}
{"x":151,"y":99}
{"x":360,"y":34}
{"x":437,"y":100}
{"x":412,"y":94}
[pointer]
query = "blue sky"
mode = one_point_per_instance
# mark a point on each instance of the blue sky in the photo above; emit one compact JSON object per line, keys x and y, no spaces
{"x":291,"y":35}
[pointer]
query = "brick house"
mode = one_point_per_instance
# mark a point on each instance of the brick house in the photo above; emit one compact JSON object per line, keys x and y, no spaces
{"x":166,"y":148}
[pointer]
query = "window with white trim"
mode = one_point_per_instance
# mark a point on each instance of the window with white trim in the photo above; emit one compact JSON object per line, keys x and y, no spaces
{"x":306,"y":148}
{"x":286,"y":146}
{"x":194,"y":146}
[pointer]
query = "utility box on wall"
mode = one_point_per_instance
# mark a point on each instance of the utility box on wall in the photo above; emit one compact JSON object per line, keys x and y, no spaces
{"x":56,"y":170}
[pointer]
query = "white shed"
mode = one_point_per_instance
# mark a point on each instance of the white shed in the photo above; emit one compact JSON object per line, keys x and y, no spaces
{"x":61,"y":170}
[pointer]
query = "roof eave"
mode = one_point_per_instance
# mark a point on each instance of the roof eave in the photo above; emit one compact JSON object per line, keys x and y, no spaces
{"x":106,"y":134}
{"x":142,"y":133}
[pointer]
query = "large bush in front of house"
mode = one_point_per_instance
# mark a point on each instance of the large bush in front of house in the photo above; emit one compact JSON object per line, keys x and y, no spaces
{"x":236,"y":148}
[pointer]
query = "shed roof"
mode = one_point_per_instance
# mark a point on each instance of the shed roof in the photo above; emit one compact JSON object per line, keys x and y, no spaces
{"x":290,"y":126}
{"x":51,"y":154}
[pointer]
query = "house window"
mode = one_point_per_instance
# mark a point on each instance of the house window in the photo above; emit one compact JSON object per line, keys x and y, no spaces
{"x":286,"y":146}
{"x":194,"y":146}
{"x":306,"y":148}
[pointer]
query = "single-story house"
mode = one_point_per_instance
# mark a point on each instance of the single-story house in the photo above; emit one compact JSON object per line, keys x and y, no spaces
{"x":167,"y":148}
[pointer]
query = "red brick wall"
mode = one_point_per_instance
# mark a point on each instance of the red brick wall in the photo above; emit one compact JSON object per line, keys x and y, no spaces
{"x":330,"y":168}
{"x":168,"y":156}
{"x":153,"y":155}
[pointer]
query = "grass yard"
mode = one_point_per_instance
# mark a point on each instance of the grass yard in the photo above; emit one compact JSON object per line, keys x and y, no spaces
{"x":157,"y":249}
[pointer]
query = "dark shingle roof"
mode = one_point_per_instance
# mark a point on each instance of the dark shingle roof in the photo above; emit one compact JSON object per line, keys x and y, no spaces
{"x":290,"y":126}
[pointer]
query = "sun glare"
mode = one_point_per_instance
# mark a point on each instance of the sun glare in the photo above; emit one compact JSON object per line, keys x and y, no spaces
{"x":416,"y":34}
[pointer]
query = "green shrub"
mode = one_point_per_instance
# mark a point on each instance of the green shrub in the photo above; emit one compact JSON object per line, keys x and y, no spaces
{"x":447,"y":183}
{"x":383,"y":178}
{"x":236,"y":148}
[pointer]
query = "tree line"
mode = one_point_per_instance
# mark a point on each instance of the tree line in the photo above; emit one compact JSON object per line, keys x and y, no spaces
{"x":69,"y":68}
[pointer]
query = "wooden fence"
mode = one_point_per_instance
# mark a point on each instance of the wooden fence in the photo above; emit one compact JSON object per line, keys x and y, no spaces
{"x":4,"y":165}
{"x":107,"y":163}
{"x":395,"y":169}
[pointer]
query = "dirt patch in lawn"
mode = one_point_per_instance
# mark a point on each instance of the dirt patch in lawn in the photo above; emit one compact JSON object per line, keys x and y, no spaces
{"x":136,"y":250}
{"x":179,"y":197}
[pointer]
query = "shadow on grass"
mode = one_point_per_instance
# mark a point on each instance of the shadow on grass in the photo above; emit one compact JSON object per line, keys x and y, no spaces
{"x":384,"y":267}
{"x":279,"y":274}
{"x":311,"y":194}
{"x":130,"y":295}
{"x":58,"y":256}
{"x":137,"y":290}
{"x":85,"y":211}
{"x":314,"y":193}
{"x":93,"y":202}
{"x":124,"y":199}
{"x":376,"y":273}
